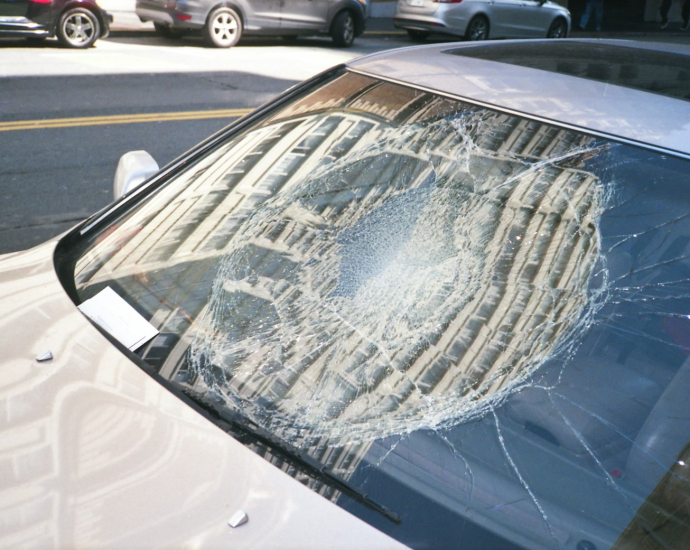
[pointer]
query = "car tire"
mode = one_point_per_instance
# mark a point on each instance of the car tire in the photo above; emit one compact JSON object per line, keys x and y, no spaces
{"x":223,"y":28}
{"x":343,"y":29}
{"x":78,"y":28}
{"x":477,"y":28}
{"x":418,"y":36}
{"x":558,"y":29}
{"x":167,"y":32}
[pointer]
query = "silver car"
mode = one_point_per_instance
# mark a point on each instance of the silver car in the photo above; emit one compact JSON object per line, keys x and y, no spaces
{"x":483,"y":19}
{"x":223,"y":24}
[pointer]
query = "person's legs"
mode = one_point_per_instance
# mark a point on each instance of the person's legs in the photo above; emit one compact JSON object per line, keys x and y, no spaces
{"x":686,"y":15}
{"x":588,"y":12}
{"x":663,"y":11}
{"x":599,"y":13}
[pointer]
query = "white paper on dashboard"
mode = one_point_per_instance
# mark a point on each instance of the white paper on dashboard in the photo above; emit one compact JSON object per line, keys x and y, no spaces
{"x":110,"y":311}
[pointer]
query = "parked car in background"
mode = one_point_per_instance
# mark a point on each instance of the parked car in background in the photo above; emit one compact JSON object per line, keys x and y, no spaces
{"x":483,"y":19}
{"x":224,"y":23}
{"x":76,"y":23}
{"x":436,"y":297}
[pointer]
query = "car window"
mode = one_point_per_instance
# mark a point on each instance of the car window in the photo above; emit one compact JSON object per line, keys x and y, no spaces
{"x":481,"y":321}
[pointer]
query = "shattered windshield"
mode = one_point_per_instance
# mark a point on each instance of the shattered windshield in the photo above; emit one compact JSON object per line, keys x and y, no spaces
{"x":481,"y":321}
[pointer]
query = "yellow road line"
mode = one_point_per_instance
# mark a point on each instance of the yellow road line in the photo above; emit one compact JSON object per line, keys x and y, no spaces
{"x":119,"y":119}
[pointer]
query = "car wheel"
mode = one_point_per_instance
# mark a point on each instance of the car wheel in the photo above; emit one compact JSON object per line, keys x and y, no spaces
{"x":78,"y":28}
{"x":343,"y":30}
{"x":223,"y":28}
{"x":417,"y":36}
{"x":558,"y":29}
{"x":477,"y":29}
{"x":167,"y":32}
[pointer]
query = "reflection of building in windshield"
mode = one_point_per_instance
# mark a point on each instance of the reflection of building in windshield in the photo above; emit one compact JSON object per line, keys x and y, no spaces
{"x":365,"y":265}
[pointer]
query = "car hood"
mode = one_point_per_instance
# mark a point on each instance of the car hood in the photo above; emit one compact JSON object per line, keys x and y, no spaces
{"x":95,"y":453}
{"x":557,"y":6}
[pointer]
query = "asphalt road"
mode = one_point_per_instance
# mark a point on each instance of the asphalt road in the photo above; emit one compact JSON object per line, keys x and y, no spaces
{"x":67,"y":116}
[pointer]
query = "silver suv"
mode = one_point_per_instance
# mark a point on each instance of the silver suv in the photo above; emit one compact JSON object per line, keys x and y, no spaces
{"x":222,"y":23}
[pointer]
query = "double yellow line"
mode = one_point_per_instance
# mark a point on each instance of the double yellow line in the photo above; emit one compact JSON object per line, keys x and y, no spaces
{"x":119,"y":119}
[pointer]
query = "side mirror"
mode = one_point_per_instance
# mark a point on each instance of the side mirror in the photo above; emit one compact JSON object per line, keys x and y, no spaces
{"x":133,"y":169}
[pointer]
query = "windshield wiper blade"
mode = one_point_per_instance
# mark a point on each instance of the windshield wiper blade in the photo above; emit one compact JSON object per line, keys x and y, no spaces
{"x":239,"y":423}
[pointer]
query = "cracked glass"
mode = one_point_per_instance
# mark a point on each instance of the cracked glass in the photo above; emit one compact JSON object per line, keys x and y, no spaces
{"x":479,"y":320}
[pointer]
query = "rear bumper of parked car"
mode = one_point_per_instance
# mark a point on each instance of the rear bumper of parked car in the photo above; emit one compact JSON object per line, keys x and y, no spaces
{"x":172,"y":18}
{"x":420,"y":24}
{"x":443,"y":18}
{"x":430,"y":24}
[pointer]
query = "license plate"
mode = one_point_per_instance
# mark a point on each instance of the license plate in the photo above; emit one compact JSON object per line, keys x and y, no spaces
{"x":415,"y":2}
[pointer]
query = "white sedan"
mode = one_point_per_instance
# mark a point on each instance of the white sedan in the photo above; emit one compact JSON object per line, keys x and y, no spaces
{"x":437,"y":297}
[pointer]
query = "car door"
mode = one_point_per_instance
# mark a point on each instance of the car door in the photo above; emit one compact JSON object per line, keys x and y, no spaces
{"x":507,"y":18}
{"x":13,"y":14}
{"x":305,"y":14}
{"x":262,"y":14}
{"x":536,"y":18}
{"x":12,"y":10}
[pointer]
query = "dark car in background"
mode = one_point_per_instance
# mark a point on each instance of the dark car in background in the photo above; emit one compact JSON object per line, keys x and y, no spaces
{"x":76,"y":23}
{"x":224,"y":23}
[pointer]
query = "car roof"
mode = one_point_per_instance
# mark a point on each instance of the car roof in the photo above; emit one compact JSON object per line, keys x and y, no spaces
{"x":631,"y":91}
